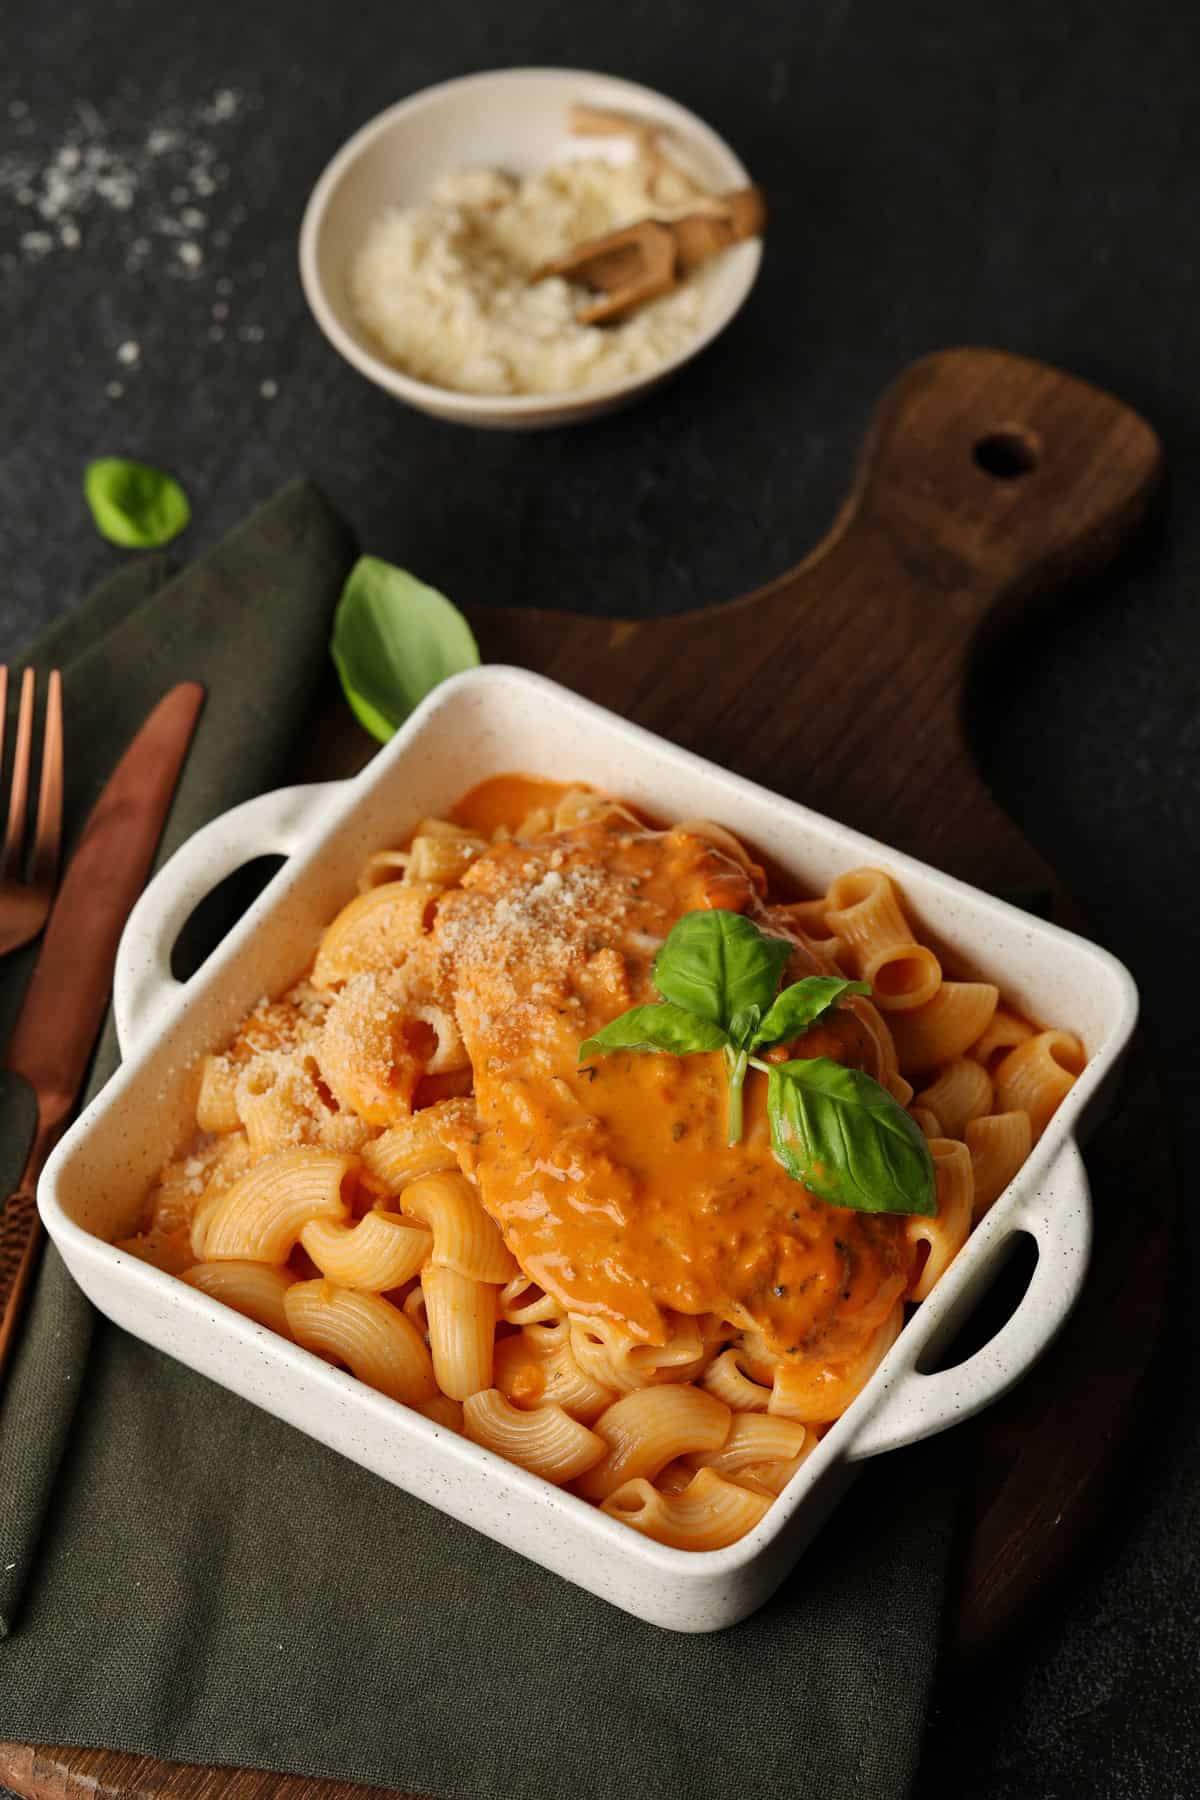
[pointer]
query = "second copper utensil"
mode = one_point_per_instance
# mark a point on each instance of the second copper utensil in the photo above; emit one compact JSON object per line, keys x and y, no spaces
{"x":24,"y":903}
{"x":639,"y":262}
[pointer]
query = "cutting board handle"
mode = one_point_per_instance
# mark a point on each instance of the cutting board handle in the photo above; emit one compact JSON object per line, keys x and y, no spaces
{"x":985,"y":480}
{"x":991,"y":475}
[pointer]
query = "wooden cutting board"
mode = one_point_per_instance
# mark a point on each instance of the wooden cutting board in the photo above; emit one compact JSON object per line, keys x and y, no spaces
{"x":986,"y":481}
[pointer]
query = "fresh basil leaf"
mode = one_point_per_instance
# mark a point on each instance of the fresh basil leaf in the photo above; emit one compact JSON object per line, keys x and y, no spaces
{"x":134,"y":505}
{"x":847,"y":1139}
{"x":800,"y":1005}
{"x":743,"y":1027}
{"x":718,"y":964}
{"x":393,"y":640}
{"x":668,"y":1028}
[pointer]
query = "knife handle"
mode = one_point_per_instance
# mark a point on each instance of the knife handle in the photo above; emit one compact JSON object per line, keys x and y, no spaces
{"x":21,"y":1229}
{"x":20,"y":1240}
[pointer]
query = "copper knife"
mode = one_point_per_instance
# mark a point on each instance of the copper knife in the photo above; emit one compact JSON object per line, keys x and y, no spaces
{"x":68,"y":994}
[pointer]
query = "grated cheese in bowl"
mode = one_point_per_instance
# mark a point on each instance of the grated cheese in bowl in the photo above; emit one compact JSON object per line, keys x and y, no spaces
{"x":445,"y":288}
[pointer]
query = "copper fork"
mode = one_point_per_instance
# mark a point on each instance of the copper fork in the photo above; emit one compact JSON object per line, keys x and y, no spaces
{"x":25,"y":901}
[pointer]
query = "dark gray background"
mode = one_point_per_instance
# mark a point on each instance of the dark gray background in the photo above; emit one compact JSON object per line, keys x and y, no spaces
{"x":1024,"y":176}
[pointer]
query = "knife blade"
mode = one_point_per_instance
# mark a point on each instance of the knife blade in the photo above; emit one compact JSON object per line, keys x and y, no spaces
{"x":69,"y":990}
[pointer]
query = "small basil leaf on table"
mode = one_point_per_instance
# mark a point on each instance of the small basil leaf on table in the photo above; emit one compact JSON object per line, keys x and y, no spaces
{"x":718,"y":964}
{"x":845,"y":1137}
{"x":801,"y":1005}
{"x":134,"y":505}
{"x":667,"y":1028}
{"x":393,"y":640}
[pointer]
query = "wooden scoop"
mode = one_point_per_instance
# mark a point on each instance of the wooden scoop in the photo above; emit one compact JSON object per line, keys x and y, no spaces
{"x":650,"y":257}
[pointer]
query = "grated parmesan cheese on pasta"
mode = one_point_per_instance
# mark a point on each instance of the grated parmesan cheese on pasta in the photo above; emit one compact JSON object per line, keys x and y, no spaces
{"x":510,"y":940}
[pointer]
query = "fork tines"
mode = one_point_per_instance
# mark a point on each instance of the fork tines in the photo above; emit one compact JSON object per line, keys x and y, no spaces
{"x":48,"y":828}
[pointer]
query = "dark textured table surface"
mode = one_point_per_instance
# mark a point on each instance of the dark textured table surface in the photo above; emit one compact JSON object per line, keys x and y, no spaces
{"x":1022,"y":176}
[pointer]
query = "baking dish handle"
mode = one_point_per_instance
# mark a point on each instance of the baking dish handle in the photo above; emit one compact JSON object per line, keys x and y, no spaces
{"x":1058,"y":1215}
{"x":274,"y":824}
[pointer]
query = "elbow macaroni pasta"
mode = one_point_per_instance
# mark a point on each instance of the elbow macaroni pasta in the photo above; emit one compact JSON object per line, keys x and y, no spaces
{"x":943,"y":1235}
{"x":999,"y":1145}
{"x":461,"y":1315}
{"x":944,"y":1027}
{"x":547,"y":1441}
{"x":374,"y":1340}
{"x":255,"y":1289}
{"x":649,"y":1428}
{"x":335,"y":1193}
{"x":260,"y":1218}
{"x":1037,"y":1075}
{"x":464,"y":1237}
{"x":709,"y":1513}
{"x":961,"y":1092}
{"x":379,"y":1252}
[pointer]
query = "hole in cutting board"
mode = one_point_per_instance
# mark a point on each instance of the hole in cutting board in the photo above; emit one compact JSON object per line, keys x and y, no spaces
{"x":218,"y":913}
{"x":1008,"y":452}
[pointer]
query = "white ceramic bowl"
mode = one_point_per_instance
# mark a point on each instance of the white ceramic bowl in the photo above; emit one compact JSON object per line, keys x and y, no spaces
{"x":489,"y":721}
{"x":515,"y":119}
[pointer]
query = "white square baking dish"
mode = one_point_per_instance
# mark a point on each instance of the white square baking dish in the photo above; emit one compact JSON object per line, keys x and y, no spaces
{"x":487,"y":722}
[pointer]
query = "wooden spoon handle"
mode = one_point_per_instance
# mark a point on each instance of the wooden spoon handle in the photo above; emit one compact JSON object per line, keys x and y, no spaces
{"x":597,"y":121}
{"x":702,"y":234}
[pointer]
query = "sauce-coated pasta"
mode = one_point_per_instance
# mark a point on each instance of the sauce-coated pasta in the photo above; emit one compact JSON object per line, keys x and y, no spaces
{"x":402,"y":1165}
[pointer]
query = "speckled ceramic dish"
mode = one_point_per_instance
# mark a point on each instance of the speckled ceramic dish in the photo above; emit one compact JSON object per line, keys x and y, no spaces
{"x":482,"y":723}
{"x":513,"y":119}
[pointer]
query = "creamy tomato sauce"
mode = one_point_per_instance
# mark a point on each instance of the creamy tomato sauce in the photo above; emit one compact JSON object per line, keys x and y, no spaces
{"x":613,"y":1183}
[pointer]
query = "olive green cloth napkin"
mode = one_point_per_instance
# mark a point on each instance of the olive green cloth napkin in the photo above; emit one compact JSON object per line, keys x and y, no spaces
{"x":185,"y":1576}
{"x":250,"y":621}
